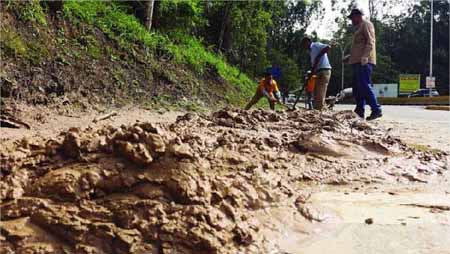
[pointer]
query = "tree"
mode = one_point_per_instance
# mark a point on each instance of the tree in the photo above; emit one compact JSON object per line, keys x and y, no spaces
{"x":143,"y":10}
{"x":148,"y":10}
{"x":290,"y":20}
{"x":410,"y":35}
{"x":225,"y":25}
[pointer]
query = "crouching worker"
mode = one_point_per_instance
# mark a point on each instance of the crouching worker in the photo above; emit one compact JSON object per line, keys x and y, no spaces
{"x":267,"y":88}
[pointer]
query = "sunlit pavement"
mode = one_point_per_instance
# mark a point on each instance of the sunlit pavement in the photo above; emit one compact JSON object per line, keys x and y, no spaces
{"x":416,"y":113}
{"x":415,"y":124}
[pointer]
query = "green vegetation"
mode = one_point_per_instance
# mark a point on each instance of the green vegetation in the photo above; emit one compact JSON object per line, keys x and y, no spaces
{"x":424,"y":148}
{"x":12,"y":44}
{"x":229,"y":42}
{"x":113,"y":20}
{"x":91,"y":46}
{"x":403,"y":41}
{"x":443,"y":108}
{"x":28,"y":11}
{"x":203,"y":37}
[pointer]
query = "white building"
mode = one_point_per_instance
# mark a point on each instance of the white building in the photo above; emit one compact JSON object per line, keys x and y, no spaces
{"x":386,"y":90}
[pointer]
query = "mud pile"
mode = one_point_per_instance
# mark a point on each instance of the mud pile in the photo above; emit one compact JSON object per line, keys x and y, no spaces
{"x":189,"y":186}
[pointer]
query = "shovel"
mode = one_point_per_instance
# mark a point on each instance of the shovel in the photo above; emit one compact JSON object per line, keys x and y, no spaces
{"x":305,"y":83}
{"x":298,"y":97}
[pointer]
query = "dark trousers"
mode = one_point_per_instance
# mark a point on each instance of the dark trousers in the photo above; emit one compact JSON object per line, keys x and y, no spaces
{"x":308,"y":101}
{"x":363,"y":88}
{"x":255,"y":100}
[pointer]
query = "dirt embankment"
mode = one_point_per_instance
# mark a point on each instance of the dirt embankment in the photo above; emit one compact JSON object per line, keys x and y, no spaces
{"x":67,"y":62}
{"x":189,"y":186}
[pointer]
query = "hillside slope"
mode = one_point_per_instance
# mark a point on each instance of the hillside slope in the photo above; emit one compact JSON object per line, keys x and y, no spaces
{"x":95,"y":53}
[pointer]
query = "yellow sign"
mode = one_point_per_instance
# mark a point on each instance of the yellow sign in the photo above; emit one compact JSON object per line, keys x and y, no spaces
{"x":409,"y":83}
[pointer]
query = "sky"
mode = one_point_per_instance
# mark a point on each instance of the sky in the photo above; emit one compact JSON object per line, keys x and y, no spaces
{"x":325,"y":25}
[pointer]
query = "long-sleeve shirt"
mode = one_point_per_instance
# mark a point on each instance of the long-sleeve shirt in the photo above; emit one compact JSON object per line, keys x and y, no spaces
{"x":364,"y":43}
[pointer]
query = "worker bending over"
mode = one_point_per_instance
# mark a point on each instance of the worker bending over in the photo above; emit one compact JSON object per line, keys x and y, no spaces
{"x":267,"y":88}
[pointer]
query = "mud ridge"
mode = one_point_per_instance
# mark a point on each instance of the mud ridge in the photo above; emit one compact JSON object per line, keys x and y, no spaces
{"x":188,"y":186}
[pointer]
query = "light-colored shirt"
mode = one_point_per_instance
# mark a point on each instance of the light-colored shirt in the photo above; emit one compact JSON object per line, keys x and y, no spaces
{"x":363,"y":44}
{"x":315,"y":49}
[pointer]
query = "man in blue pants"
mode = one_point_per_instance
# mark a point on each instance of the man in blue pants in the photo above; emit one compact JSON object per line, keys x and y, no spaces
{"x":363,"y":58}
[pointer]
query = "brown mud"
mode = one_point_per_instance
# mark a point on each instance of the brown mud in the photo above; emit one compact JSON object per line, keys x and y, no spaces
{"x":200,"y":184}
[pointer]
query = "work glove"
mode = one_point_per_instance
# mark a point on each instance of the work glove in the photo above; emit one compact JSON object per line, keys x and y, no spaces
{"x":364,"y":61}
{"x":278,"y":96}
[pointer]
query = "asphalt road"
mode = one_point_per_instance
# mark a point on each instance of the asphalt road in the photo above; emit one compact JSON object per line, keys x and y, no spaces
{"x":415,"y":124}
{"x":413,"y":113}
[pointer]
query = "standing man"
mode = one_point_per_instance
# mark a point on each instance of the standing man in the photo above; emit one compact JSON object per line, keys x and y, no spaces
{"x":267,"y":88}
{"x":320,"y":67}
{"x":363,"y":58}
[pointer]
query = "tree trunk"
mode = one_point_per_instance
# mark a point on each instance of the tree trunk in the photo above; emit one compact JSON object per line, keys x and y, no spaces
{"x":55,"y":6}
{"x":148,"y":13}
{"x":206,"y":7}
{"x":226,"y":16}
{"x":373,"y":8}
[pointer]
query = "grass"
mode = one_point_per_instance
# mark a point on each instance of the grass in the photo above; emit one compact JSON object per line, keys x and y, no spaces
{"x":114,"y":22}
{"x":91,"y":46}
{"x":183,"y":49}
{"x":444,"y":108}
{"x":12,"y":44}
{"x":424,"y":148}
{"x":112,"y":19}
{"x":28,"y":11}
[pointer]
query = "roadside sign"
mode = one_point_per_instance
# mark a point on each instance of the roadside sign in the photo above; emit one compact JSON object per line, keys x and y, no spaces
{"x":409,"y":83}
{"x":431,"y":82}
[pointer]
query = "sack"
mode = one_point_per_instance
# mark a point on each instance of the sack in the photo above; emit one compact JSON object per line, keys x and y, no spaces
{"x":311,"y":84}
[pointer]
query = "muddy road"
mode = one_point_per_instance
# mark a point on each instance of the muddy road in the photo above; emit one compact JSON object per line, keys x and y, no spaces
{"x":229,"y":181}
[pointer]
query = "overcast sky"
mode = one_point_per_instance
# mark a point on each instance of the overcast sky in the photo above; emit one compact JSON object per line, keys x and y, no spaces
{"x":325,"y":25}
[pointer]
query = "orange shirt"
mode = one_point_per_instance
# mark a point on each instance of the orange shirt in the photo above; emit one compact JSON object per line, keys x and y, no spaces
{"x":269,"y":87}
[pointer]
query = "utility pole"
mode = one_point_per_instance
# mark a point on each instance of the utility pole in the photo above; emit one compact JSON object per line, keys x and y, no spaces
{"x":342,"y":68}
{"x":342,"y":48}
{"x":431,"y":42}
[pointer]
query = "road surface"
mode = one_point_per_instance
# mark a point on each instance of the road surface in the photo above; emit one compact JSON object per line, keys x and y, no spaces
{"x":395,"y":226}
{"x":415,"y":124}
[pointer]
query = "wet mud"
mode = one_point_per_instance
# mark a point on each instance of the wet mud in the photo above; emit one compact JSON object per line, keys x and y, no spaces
{"x":190,"y":186}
